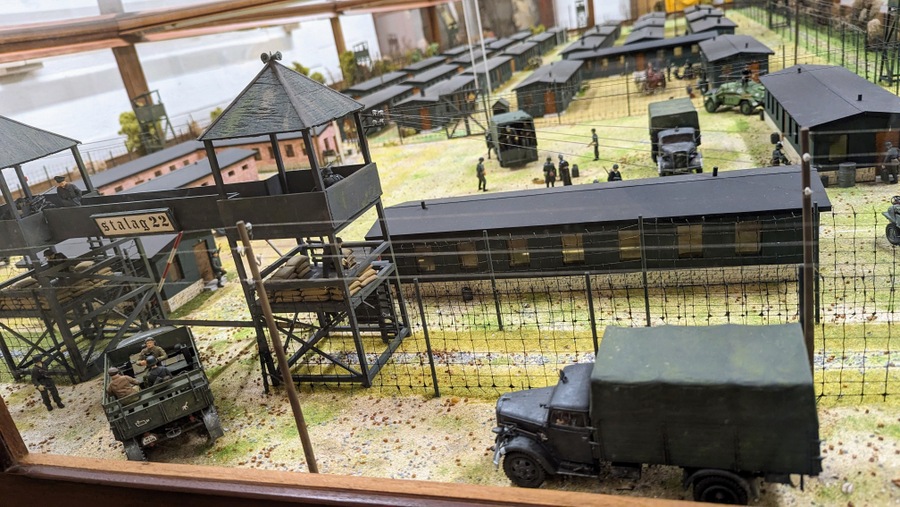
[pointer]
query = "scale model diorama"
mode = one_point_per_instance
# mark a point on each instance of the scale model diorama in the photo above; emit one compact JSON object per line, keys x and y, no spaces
{"x":675,"y":136}
{"x":728,"y":404}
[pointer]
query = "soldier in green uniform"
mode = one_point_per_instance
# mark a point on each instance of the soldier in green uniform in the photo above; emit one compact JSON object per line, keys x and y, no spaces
{"x":157,"y":373}
{"x":549,"y":173}
{"x":151,"y":349}
{"x":45,"y":385}
{"x":595,"y":142}
{"x":69,"y":194}
{"x":479,"y":171}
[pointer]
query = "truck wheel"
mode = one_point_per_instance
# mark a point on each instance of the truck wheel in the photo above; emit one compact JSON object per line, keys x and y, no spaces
{"x":722,"y":490}
{"x":523,"y":470}
{"x":212,"y":424}
{"x":893,"y":234}
{"x":133,"y":451}
{"x":746,"y":108}
{"x":710,"y":105}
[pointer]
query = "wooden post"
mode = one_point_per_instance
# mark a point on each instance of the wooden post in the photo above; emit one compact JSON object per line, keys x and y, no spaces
{"x":279,"y":350}
{"x":338,"y":34}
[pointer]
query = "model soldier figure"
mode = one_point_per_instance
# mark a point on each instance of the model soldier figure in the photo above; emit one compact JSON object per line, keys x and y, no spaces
{"x":549,"y":173}
{"x":329,"y":177}
{"x":595,"y":142}
{"x":564,"y":174}
{"x":778,"y":156}
{"x":215,"y":262}
{"x":889,"y":168}
{"x":489,"y":140}
{"x":69,"y":194}
{"x":479,"y":171}
{"x":120,"y":385}
{"x":614,"y":175}
{"x":45,"y":385}
{"x":157,"y":373}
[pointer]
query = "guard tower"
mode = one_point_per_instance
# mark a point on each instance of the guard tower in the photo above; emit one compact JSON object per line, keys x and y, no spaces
{"x":890,"y":46}
{"x":72,"y":306}
{"x":337,"y":304}
{"x":152,"y":120}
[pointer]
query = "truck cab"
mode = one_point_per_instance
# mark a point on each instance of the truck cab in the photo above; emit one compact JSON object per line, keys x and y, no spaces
{"x":678,"y":152}
{"x":728,"y":404}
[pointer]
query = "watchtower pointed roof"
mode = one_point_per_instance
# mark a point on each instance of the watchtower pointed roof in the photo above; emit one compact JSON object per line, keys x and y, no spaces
{"x":20,"y":143}
{"x":279,"y":100}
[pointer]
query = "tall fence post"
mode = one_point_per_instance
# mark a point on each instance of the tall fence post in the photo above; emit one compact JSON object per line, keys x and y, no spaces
{"x":487,"y":247}
{"x":627,"y":96}
{"x":644,"y":268}
{"x":590,"y":302}
{"x":434,"y":379}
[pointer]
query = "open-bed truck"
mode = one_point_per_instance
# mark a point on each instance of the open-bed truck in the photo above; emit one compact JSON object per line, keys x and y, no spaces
{"x":728,"y":404}
{"x":168,"y":409}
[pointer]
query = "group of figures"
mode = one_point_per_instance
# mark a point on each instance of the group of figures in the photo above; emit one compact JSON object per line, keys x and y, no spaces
{"x":151,"y":357}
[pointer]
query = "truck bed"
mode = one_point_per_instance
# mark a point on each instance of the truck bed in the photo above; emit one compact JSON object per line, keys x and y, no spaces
{"x":731,"y":397}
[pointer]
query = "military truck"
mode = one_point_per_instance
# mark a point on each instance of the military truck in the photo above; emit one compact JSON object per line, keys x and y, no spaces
{"x":675,"y":136}
{"x":748,"y":97}
{"x":728,"y":404}
{"x":164,"y":411}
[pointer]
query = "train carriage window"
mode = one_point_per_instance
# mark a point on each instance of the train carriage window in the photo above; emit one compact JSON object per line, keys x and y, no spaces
{"x":604,"y":63}
{"x":746,"y":238}
{"x":695,"y":48}
{"x":572,"y":248}
{"x":468,"y":256}
{"x":677,"y":51}
{"x":629,"y":245}
{"x":518,"y":252}
{"x":424,"y":259}
{"x":690,"y":240}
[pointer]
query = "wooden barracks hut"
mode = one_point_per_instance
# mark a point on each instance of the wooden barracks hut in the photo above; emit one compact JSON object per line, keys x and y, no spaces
{"x":521,"y":53}
{"x":717,"y":25}
{"x":499,"y":68}
{"x":621,"y":59}
{"x":648,"y":33}
{"x":546,"y":41}
{"x":848,"y":117}
{"x":432,"y":76}
{"x":385,"y":99}
{"x":550,"y":89}
{"x":747,"y":217}
{"x":424,"y":64}
{"x":725,"y":56}
{"x":437,"y":105}
{"x":376,"y":83}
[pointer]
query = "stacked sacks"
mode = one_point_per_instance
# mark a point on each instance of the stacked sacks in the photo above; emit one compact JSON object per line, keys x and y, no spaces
{"x":321,"y":293}
{"x":20,"y":296}
{"x":26,"y":293}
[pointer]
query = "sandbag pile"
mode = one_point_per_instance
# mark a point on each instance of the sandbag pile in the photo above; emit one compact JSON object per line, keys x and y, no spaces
{"x":298,"y":267}
{"x":26,"y":295}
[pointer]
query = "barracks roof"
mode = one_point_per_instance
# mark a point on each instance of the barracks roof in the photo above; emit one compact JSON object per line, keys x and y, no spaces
{"x":520,"y":36}
{"x":521,"y":48}
{"x":279,"y":100}
{"x":492,"y":63}
{"x":803,"y":89}
{"x":703,"y":13}
{"x":749,"y":191}
{"x":147,"y":162}
{"x":726,"y":46}
{"x":711,"y":24}
{"x":556,"y":72}
{"x":651,"y":45}
{"x":384,"y":95}
{"x":434,"y":92}
{"x":20,"y":143}
{"x":186,"y":175}
{"x":424,"y":64}
{"x":645,"y":33}
{"x":433,"y":73}
{"x":386,"y":79}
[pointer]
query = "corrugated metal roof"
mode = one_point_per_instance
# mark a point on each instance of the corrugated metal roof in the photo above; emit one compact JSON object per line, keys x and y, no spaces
{"x":186,"y":175}
{"x":382,"y":96}
{"x":732,"y":192}
{"x":818,"y":94}
{"x":428,"y":75}
{"x":641,"y":46}
{"x":726,"y":46}
{"x":20,"y":143}
{"x":556,"y":72}
{"x":279,"y":100}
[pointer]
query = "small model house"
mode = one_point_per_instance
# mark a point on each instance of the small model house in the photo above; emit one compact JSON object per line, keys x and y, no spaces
{"x":724,"y":58}
{"x":550,"y":89}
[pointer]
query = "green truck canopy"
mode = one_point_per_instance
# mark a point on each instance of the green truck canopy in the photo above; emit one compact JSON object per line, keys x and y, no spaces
{"x":732,"y":397}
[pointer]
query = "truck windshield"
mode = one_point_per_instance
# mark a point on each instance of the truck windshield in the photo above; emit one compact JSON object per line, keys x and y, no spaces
{"x":681,"y":137}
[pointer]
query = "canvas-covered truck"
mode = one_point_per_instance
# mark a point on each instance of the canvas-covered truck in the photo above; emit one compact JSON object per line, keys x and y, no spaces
{"x":675,"y":137}
{"x":167,"y":409}
{"x":728,"y":404}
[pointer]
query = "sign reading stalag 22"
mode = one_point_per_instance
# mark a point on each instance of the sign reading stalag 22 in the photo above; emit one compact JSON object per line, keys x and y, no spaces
{"x":136,"y":223}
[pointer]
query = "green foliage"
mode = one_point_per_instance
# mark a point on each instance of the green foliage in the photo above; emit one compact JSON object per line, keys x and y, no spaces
{"x":538,"y":29}
{"x":215,"y":113}
{"x":414,"y":55}
{"x":300,"y":69}
{"x":349,"y":68}
{"x":433,"y":49}
{"x":318,"y":77}
{"x":380,"y":67}
{"x":132,"y":132}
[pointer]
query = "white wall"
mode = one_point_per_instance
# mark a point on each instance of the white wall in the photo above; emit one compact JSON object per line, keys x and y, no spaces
{"x":604,"y":10}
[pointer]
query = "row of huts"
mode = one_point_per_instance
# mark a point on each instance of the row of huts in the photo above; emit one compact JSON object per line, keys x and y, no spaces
{"x":438,"y":90}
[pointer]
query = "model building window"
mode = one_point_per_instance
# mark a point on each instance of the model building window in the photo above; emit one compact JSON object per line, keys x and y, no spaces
{"x":230,"y":173}
{"x":256,"y":155}
{"x":746,"y":238}
{"x":157,"y":173}
{"x":424,"y":259}
{"x":572,"y":248}
{"x":605,"y":63}
{"x":677,"y":51}
{"x":119,"y":189}
{"x":468,"y":256}
{"x":271,"y":152}
{"x":289,"y":149}
{"x":629,"y":245}
{"x":518,"y":252}
{"x":172,"y":168}
{"x":690,"y":240}
{"x":695,"y":48}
